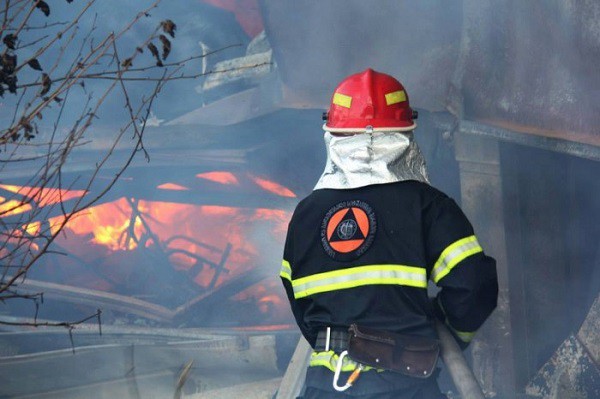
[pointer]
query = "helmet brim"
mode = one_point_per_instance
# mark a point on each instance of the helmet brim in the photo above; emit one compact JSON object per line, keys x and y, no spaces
{"x":335,"y":129}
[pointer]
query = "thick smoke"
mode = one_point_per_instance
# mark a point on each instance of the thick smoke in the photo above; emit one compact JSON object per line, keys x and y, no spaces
{"x":528,"y":68}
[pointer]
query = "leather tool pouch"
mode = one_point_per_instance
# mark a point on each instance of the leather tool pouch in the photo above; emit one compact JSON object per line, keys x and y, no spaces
{"x":410,"y":355}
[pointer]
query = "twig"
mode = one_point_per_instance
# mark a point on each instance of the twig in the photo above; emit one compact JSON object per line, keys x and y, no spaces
{"x":112,"y":74}
{"x":41,"y":27}
{"x":42,"y":50}
{"x":183,"y":376}
{"x":27,"y":236}
{"x":67,"y":324}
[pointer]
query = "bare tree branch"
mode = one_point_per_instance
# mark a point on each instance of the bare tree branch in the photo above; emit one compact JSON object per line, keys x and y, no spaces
{"x":45,"y":125}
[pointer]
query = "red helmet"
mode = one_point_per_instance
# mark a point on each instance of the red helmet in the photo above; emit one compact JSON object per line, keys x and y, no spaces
{"x":370,"y":101}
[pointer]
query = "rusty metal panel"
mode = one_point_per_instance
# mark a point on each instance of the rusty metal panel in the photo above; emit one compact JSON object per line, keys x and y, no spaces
{"x":552,"y":233}
{"x":532,"y":63}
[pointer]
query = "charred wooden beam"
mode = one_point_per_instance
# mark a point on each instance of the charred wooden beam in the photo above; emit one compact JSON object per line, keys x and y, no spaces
{"x":127,"y":304}
{"x":98,"y":299}
{"x":204,"y":301}
{"x":220,"y":268}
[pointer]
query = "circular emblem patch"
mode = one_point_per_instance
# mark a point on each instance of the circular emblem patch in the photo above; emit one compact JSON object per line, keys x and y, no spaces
{"x":348,"y":230}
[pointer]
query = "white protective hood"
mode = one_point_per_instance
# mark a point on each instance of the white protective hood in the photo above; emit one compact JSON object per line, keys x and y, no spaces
{"x":371,"y":158}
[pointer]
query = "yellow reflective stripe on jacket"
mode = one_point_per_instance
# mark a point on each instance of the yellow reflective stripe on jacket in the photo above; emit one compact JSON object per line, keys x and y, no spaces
{"x":453,"y":255}
{"x":330,"y":359}
{"x":286,"y":270}
{"x":359,"y":276}
{"x":464,"y":336}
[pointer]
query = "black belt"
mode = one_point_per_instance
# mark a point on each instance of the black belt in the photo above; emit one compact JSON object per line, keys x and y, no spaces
{"x":338,"y":340}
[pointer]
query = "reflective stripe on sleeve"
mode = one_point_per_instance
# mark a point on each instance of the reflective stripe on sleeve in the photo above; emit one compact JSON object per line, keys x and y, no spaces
{"x":465,"y":336}
{"x":359,"y":276}
{"x":286,"y":270}
{"x":453,"y":255}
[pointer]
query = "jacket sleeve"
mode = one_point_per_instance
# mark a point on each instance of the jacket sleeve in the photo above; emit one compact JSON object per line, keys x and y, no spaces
{"x":457,"y":264}
{"x":286,"y":274}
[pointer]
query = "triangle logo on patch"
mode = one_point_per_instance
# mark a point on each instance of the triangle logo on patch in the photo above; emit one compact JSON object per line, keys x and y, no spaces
{"x":348,"y":230}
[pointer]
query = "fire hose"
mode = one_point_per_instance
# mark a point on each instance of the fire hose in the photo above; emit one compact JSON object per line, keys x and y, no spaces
{"x":457,"y":366}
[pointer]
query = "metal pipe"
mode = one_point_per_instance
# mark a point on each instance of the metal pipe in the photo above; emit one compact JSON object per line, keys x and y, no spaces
{"x":459,"y":370}
{"x":558,"y":143}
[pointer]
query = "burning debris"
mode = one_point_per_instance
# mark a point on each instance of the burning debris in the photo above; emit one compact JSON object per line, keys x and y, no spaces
{"x":150,"y":264}
{"x":168,"y":262}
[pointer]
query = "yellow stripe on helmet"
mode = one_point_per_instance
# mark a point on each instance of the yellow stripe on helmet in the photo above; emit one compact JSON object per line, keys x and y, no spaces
{"x":395,"y":97}
{"x":342,"y":100}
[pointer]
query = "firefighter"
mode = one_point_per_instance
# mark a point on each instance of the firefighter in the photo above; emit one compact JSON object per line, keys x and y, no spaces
{"x":361,"y":248}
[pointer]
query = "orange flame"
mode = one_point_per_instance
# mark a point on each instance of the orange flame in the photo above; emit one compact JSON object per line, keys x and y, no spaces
{"x":194,"y":238}
{"x":172,"y":186}
{"x":273,"y":187}
{"x":33,"y":228}
{"x":219,"y":177}
{"x":12,"y":207}
{"x":191,"y":235}
{"x":32,"y":197}
{"x":44,"y":196}
{"x":107,"y":223}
